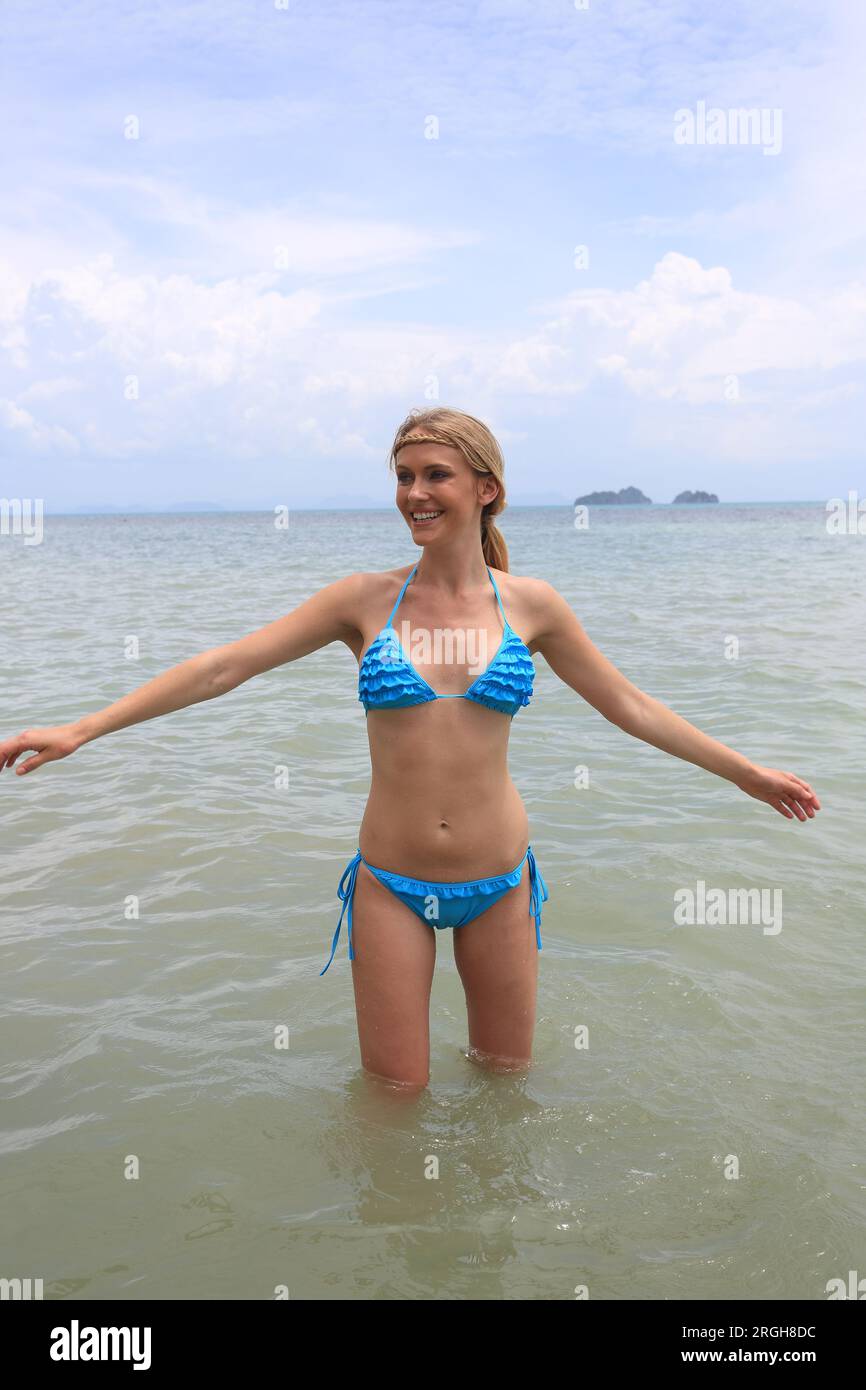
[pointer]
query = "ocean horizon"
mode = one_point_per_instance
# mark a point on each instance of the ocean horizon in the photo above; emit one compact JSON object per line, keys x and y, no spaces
{"x":204,"y":510}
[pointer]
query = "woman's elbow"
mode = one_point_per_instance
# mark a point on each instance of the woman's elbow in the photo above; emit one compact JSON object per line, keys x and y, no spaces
{"x":626,"y":709}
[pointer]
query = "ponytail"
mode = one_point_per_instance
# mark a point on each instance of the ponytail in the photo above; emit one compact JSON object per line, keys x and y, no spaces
{"x":493,"y":543}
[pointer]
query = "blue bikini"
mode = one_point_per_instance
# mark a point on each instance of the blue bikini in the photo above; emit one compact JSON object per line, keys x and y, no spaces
{"x":388,"y":680}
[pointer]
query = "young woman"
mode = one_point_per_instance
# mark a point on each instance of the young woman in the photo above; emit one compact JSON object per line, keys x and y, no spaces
{"x":443,"y":842}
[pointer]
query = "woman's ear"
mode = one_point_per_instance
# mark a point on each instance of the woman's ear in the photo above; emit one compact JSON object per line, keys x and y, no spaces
{"x":488,"y":489}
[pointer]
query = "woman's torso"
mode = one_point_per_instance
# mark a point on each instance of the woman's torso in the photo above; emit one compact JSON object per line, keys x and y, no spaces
{"x":442,"y":804}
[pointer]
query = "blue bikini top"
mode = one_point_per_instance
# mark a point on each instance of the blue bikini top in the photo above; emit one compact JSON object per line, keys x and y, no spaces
{"x":388,"y":680}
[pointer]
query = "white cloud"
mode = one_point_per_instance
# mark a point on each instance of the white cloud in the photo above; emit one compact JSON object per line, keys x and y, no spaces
{"x":33,"y":434}
{"x":55,"y":386}
{"x":236,"y":363}
{"x":205,"y":234}
{"x":337,"y":443}
{"x":13,"y":292}
{"x":686,"y":328}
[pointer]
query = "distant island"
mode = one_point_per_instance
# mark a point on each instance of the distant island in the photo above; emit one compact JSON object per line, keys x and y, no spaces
{"x":630,"y":496}
{"x":626,"y":497}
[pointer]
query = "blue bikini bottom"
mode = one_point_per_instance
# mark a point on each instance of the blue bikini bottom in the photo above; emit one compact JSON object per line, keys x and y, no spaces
{"x":444,"y":904}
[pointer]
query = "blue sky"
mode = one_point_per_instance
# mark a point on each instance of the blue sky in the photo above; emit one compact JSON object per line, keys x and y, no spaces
{"x":239,"y":304}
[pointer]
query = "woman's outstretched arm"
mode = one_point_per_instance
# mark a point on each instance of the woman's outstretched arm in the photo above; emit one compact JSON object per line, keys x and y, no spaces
{"x":578,"y":662}
{"x":329,"y":616}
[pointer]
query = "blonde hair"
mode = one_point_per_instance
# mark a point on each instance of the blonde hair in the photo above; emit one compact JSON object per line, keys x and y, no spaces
{"x":481,"y":452}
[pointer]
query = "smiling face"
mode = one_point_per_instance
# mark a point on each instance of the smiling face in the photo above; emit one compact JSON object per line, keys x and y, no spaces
{"x":438,"y":493}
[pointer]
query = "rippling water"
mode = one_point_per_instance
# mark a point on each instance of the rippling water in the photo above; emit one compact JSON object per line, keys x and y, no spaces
{"x":605,"y":1166}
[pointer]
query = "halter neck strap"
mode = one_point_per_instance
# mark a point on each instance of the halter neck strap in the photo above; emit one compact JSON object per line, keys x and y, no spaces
{"x":390,"y":622}
{"x":409,"y":579}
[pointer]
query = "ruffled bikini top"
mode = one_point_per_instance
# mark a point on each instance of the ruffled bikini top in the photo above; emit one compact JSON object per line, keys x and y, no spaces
{"x":388,"y":680}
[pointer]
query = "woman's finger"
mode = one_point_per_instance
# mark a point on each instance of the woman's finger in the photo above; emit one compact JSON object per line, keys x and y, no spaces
{"x":801,"y":791}
{"x":17,"y":746}
{"x":811,"y":794}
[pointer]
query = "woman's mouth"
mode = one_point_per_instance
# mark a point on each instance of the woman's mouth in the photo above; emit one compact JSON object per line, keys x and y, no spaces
{"x":424,"y":518}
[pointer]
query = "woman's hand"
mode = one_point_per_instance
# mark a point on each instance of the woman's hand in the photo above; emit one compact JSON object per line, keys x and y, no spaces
{"x":50,"y":744}
{"x":785,"y":792}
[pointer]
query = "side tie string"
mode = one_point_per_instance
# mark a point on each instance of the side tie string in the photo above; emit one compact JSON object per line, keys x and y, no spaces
{"x":536,"y":882}
{"x":345,"y":893}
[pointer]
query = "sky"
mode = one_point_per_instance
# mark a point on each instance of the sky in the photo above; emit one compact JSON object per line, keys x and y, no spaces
{"x":240,"y":242}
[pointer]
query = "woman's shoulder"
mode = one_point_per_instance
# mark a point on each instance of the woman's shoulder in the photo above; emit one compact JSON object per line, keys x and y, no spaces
{"x":525,"y":589}
{"x":373,"y":584}
{"x":373,"y":590}
{"x":357,"y":599}
{"x":531,"y":604}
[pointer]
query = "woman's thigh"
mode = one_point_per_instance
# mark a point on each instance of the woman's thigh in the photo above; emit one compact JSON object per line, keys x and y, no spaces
{"x":392,"y":975}
{"x":497,"y":960}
